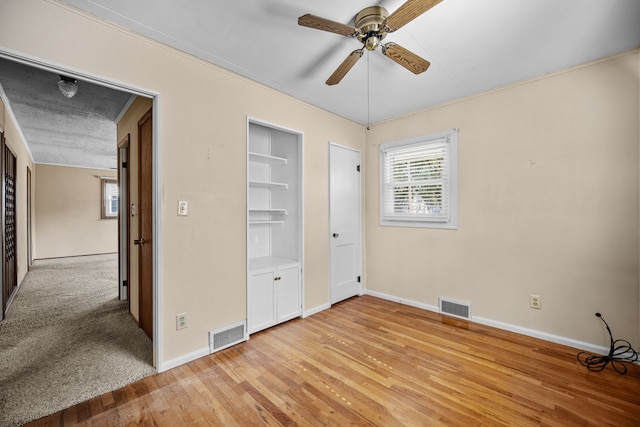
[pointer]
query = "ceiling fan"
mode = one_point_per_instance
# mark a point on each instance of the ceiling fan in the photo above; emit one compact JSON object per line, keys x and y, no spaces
{"x":371,"y":26}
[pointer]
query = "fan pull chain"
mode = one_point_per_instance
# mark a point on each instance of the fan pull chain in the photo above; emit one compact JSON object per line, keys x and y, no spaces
{"x":368,"y":93}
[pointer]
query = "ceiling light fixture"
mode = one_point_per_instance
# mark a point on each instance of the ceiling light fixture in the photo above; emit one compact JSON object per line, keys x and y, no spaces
{"x":68,"y":86}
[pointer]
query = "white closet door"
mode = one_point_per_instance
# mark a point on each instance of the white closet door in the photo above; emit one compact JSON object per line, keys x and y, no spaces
{"x":345,"y":219}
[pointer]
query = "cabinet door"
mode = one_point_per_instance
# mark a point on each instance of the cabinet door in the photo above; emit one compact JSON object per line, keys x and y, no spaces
{"x":261,"y":301}
{"x":287,"y":287}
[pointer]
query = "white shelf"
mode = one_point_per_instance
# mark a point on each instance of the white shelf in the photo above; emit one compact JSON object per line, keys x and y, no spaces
{"x":271,"y":185}
{"x":270,"y":160}
{"x":265,"y":221}
{"x":269,"y":211}
{"x":269,"y":263}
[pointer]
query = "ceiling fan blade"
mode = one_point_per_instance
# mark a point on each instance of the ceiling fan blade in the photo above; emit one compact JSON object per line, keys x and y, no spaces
{"x":407,"y":13}
{"x":324,"y":24}
{"x":406,"y":58}
{"x":344,"y":68}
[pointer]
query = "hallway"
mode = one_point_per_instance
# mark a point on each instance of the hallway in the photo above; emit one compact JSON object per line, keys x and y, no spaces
{"x":67,"y":338}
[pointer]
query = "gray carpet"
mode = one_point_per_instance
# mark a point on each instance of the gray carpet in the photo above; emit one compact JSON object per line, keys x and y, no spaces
{"x":67,"y":339}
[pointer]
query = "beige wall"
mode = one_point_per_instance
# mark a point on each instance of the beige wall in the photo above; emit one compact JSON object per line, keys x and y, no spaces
{"x":202,"y":124}
{"x":548,"y":205}
{"x":539,"y":162}
{"x":129,"y":125}
{"x":67,"y":214}
{"x":23,"y":161}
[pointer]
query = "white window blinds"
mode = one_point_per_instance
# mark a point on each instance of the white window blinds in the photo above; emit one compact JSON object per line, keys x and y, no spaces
{"x":416,"y":181}
{"x":109,"y":198}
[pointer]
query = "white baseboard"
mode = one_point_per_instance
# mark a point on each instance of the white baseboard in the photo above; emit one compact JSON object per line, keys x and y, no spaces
{"x":570,"y":342}
{"x":581,"y":345}
{"x":404,"y":301}
{"x":205,"y":351}
{"x":189,"y":357}
{"x":315,"y":310}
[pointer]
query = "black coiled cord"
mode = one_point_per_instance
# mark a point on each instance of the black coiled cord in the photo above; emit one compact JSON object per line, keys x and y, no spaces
{"x":620,"y":353}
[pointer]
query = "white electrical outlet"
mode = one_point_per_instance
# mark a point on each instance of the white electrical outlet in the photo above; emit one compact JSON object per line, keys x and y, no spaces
{"x":535,"y":301}
{"x":181,"y":321}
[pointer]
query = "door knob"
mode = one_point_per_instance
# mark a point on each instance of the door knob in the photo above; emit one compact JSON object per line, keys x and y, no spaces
{"x":335,"y":235}
{"x":140,"y":242}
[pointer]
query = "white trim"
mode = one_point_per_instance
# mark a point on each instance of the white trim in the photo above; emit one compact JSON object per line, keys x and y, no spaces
{"x":581,"y":345}
{"x":404,"y":301}
{"x":315,"y":310}
{"x":157,"y":237}
{"x":186,"y":358}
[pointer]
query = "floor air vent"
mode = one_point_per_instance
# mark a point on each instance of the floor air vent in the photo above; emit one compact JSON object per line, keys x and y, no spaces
{"x":455,"y":308}
{"x":226,"y":337}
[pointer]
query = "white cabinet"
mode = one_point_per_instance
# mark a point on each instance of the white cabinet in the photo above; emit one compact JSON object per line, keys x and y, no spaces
{"x":274,"y":225}
{"x":273,"y":295}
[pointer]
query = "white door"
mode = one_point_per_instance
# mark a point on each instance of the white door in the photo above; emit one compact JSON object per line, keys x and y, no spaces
{"x":344,"y":206}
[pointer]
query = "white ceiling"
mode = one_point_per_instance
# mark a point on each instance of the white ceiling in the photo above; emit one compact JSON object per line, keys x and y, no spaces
{"x":473,"y":45}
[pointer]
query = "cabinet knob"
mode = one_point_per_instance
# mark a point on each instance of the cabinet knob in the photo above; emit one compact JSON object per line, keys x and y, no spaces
{"x":335,"y":235}
{"x":277,"y":278}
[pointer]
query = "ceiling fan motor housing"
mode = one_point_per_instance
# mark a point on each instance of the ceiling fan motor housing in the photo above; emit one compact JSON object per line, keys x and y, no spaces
{"x":369,"y":23}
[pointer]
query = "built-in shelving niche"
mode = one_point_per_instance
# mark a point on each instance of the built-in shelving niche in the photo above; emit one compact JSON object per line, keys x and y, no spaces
{"x":274,"y":225}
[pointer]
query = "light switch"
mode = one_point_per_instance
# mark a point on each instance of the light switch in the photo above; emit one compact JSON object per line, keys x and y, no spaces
{"x":182,"y":208}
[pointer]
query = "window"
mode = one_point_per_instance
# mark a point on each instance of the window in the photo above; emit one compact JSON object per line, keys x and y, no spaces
{"x":109,"y":198}
{"x":418,"y":181}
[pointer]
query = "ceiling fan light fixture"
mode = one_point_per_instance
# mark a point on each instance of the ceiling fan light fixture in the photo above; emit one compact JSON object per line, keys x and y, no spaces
{"x":68,"y":86}
{"x":372,"y":42}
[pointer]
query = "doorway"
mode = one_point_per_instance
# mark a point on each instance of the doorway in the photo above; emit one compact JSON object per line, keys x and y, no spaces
{"x":135,"y":91}
{"x":344,"y":222}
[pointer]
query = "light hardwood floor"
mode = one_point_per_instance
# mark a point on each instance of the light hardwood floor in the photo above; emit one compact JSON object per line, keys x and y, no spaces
{"x":368,"y":361}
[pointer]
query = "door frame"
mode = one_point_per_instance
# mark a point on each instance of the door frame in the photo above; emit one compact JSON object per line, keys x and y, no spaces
{"x":124,"y":219}
{"x":361,"y":257}
{"x":29,"y":225}
{"x":134,"y":90}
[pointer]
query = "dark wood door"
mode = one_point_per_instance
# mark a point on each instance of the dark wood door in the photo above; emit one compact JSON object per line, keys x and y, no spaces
{"x":9,"y":250}
{"x":145,"y":226}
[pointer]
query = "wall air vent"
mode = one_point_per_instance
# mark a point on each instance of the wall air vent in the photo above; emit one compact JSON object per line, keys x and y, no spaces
{"x":455,"y":308}
{"x":227,"y":336}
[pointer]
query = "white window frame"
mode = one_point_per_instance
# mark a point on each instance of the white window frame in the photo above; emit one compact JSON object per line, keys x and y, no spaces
{"x":450,"y":221}
{"x":106,"y":202}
